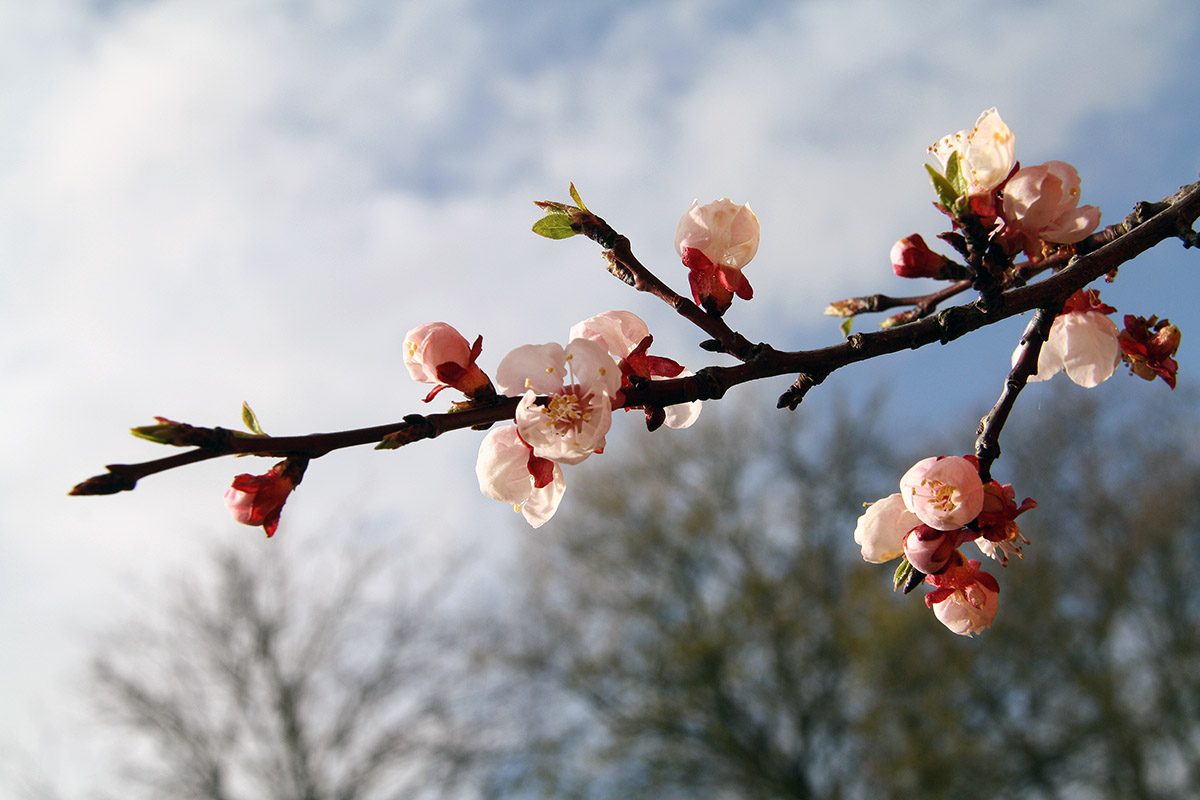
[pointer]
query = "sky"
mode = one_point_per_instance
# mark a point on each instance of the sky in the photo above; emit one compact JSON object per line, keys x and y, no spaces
{"x":205,"y":202}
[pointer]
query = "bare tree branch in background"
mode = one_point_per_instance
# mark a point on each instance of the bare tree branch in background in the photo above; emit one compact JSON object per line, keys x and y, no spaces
{"x":252,"y":683}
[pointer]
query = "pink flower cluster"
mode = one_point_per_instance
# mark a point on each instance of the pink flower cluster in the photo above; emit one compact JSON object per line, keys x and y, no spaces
{"x":943,"y":504}
{"x":1022,"y":208}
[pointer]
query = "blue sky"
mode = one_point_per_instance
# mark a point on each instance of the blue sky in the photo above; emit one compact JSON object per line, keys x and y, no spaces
{"x":210,"y":202}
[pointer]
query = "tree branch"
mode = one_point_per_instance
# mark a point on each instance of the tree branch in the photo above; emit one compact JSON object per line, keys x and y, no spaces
{"x":1149,"y":224}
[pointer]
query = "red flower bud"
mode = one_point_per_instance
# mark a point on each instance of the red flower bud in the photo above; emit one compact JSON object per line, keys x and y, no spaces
{"x":912,"y":258}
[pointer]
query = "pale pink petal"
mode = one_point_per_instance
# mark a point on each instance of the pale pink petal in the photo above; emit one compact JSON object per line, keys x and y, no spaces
{"x":1091,"y":348}
{"x":543,"y":502}
{"x":1074,"y":225}
{"x":503,"y":473}
{"x":618,"y":331}
{"x":590,"y":366}
{"x":990,"y":152}
{"x":726,"y":233}
{"x":502,"y":466}
{"x":881,"y":529}
{"x":540,"y":367}
{"x":1050,"y":358}
{"x":683,"y":415}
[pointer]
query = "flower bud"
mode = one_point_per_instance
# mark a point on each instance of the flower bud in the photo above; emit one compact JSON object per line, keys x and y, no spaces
{"x":928,"y":549}
{"x":716,"y":241}
{"x":259,"y":499}
{"x":912,"y":258}
{"x":437,"y":353}
{"x":965,"y":598}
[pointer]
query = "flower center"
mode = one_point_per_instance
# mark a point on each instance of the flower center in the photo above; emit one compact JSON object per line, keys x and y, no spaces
{"x":942,"y":496}
{"x":568,"y":412}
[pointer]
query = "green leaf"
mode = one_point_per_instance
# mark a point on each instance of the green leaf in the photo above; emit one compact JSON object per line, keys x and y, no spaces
{"x":554,"y":225}
{"x":576,"y":198}
{"x":900,"y":579}
{"x":954,"y":174}
{"x":945,"y":192}
{"x":250,"y":420}
{"x":846,"y":325}
{"x":159,"y":434}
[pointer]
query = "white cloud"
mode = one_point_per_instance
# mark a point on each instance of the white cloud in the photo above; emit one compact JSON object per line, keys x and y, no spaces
{"x":216,"y":201}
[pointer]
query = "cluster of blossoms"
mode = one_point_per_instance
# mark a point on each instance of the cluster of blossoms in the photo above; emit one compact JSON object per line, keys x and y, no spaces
{"x":1020,"y":208}
{"x":943,"y":504}
{"x":568,"y":392}
{"x":1030,"y":209}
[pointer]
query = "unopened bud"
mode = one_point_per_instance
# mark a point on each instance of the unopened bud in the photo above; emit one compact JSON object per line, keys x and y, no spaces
{"x":912,"y":258}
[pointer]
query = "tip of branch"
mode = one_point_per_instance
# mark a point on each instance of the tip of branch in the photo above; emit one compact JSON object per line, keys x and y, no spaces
{"x":108,"y":483}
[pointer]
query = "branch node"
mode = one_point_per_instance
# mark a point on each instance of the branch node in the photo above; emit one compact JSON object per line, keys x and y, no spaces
{"x":799,"y":388}
{"x":712,"y":346}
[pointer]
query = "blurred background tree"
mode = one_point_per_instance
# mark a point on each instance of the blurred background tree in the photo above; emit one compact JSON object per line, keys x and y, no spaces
{"x":699,"y":623}
{"x":705,"y":627}
{"x":261,"y":679}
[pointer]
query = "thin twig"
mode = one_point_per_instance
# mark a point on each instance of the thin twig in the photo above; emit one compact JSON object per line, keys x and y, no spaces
{"x":987,"y":445}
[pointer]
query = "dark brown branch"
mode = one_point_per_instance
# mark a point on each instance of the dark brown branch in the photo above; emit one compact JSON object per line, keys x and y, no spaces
{"x":987,"y":445}
{"x":1171,"y":218}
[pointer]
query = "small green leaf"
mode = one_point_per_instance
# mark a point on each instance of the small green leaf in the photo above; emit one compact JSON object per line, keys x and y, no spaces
{"x":846,"y":325}
{"x":900,"y":579}
{"x":159,"y":434}
{"x":250,"y":420}
{"x":945,"y":192}
{"x":576,"y":198}
{"x":554,"y":226}
{"x":954,"y":174}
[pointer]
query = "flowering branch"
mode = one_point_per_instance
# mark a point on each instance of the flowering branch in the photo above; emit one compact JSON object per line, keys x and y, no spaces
{"x":561,"y":398}
{"x":1172,"y":217}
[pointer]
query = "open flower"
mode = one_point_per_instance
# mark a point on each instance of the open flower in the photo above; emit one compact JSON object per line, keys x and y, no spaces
{"x":1042,"y":202}
{"x":258,"y":499}
{"x":965,"y":598}
{"x":945,"y":492}
{"x":508,"y":471}
{"x":881,"y":529}
{"x":986,"y":153}
{"x":627,"y":338}
{"x":437,"y":353}
{"x":579,"y":382}
{"x":1083,"y":342}
{"x":1148,"y":346}
{"x":716,"y":241}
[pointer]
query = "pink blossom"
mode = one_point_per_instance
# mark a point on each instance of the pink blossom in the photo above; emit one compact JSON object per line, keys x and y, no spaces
{"x":579,"y":382}
{"x":965,"y":598}
{"x":508,"y":471}
{"x":627,"y":339}
{"x":437,"y":353}
{"x":912,"y":258}
{"x":986,"y":153}
{"x":259,"y":499}
{"x":881,"y":529}
{"x":716,"y":241}
{"x":1083,"y":342}
{"x":1043,"y":202}
{"x":945,"y":492}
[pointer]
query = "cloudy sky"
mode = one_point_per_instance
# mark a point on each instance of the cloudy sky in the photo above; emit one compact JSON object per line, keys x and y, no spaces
{"x":208,"y":202}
